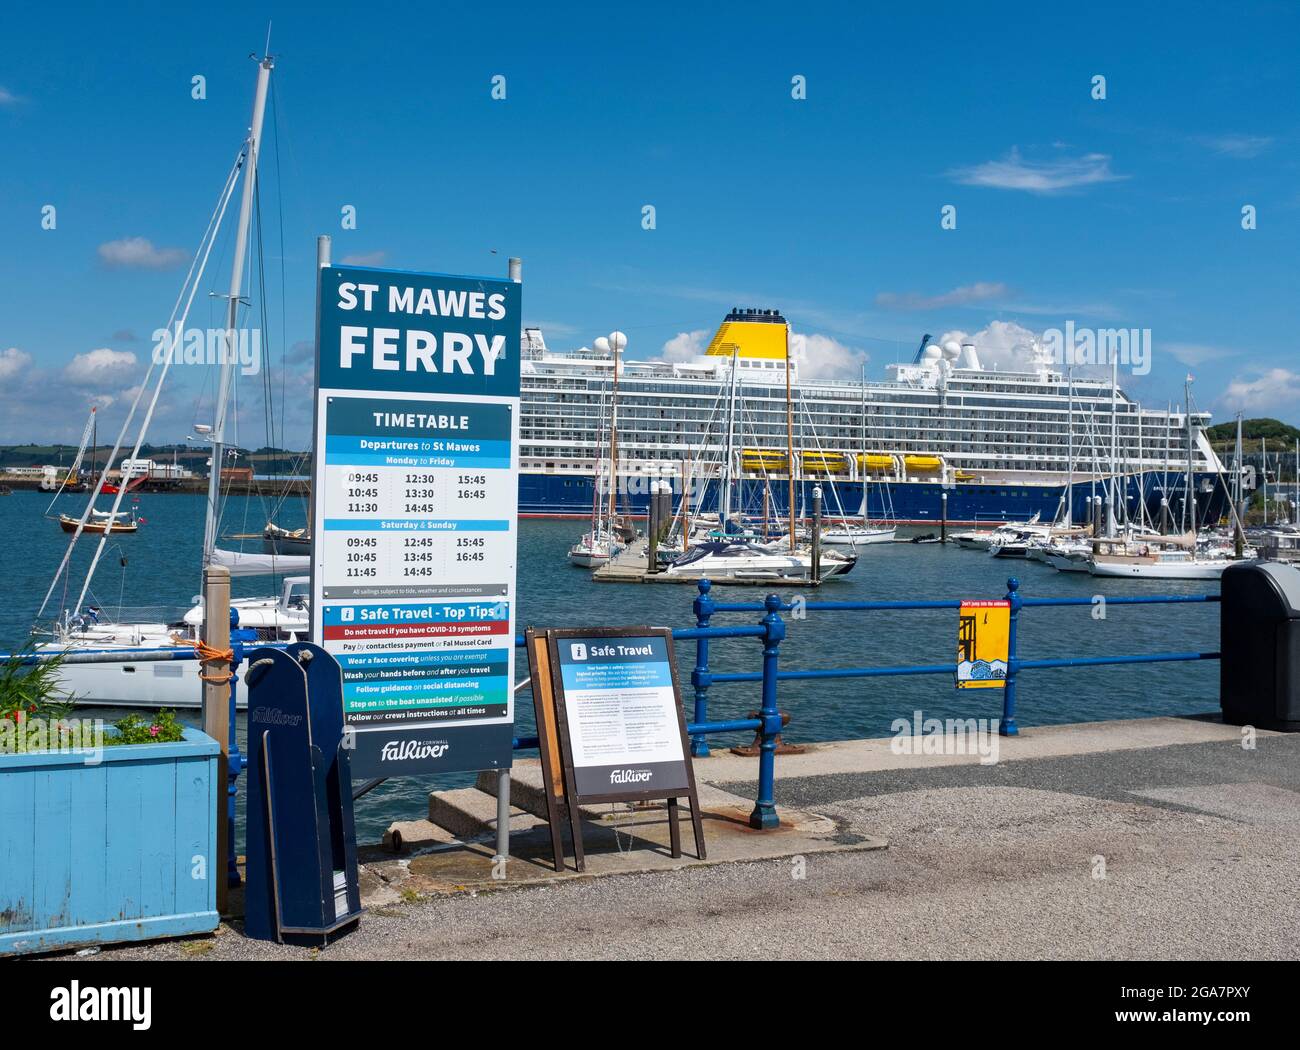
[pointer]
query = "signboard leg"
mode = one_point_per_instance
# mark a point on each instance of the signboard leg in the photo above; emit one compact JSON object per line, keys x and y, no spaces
{"x":503,"y":814}
{"x":674,"y":828}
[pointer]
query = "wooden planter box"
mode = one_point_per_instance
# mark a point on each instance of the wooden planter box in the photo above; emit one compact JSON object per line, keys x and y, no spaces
{"x":120,"y":851}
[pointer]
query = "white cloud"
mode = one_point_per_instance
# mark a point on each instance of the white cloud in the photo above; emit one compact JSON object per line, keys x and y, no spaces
{"x":1276,"y":388}
{"x":1016,"y":173}
{"x":1195,"y":354}
{"x":99,"y":368}
{"x":8,"y":98}
{"x":14,"y":363}
{"x":1242,"y":146}
{"x":685,"y":345}
{"x":139,"y":253}
{"x":961,"y":296}
{"x":365,"y":259}
{"x":1002,"y":343}
{"x":821,"y":357}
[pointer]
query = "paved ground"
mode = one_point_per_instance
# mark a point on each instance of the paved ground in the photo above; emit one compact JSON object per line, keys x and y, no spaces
{"x":1188,"y":851}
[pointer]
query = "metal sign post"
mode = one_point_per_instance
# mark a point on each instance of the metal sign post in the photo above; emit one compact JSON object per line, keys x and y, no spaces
{"x":415,"y":504}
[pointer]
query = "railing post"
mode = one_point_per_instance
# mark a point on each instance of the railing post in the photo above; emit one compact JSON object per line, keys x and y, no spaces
{"x":764,"y":815}
{"x":1008,"y":726}
{"x":218,"y":721}
{"x":700,"y":677}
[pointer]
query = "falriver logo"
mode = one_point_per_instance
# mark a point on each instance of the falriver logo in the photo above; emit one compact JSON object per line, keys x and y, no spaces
{"x":629,"y":776}
{"x":413,"y":750}
{"x":273,"y":716}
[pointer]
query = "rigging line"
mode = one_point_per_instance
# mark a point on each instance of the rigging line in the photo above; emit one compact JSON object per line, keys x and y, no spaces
{"x":191,"y":279}
{"x":76,"y":463}
{"x":162,"y":375}
{"x":284,"y":294}
{"x":268,"y":398}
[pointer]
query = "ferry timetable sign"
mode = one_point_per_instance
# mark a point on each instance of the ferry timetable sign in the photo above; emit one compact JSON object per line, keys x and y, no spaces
{"x":415,"y":504}
{"x":983,"y":644}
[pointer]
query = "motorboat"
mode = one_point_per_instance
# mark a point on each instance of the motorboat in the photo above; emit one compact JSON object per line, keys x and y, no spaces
{"x":743,"y":559}
{"x":857,"y":535}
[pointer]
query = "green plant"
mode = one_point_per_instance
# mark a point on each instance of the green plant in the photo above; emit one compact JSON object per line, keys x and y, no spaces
{"x":161,"y":729}
{"x":32,"y":690}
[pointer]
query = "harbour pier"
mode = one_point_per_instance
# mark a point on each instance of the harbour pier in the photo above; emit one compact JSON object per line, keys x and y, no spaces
{"x":1047,"y":841}
{"x":1156,"y":838}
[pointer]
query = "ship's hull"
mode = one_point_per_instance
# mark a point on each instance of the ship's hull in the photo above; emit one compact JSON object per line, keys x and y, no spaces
{"x":566,"y":495}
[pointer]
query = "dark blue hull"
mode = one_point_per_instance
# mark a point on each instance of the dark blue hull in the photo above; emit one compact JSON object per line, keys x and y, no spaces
{"x":913,"y":502}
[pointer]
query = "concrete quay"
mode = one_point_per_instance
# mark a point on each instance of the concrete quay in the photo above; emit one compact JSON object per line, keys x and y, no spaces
{"x":1159,"y":838}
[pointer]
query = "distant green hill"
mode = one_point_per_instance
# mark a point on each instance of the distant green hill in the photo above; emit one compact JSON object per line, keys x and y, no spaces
{"x":195,"y":458}
{"x":1274,"y":431}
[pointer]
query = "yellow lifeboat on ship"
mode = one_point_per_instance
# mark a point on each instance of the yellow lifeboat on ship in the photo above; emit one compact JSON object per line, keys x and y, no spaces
{"x":877,"y":461}
{"x":922,"y":464}
{"x":763,"y":459}
{"x":825,"y":462}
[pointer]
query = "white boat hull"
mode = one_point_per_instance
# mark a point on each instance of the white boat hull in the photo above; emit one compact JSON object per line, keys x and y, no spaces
{"x":1065,"y":563}
{"x":1183,"y":571}
{"x":856,"y":538}
{"x":152,"y":684}
{"x":587,"y":559}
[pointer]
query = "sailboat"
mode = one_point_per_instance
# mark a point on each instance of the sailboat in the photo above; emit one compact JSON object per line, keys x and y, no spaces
{"x":599,"y":544}
{"x":733,"y":553}
{"x":1188,"y":556}
{"x":102,"y":521}
{"x":83,"y":628}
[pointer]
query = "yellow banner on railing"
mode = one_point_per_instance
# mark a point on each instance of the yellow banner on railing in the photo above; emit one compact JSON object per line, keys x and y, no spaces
{"x":983,"y":644}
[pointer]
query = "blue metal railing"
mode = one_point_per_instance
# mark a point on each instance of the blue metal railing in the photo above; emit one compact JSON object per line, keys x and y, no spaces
{"x":773,"y":631}
{"x":770,"y":631}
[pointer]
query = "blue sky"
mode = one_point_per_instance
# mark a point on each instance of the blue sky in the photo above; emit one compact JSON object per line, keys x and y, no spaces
{"x":1122,"y":212}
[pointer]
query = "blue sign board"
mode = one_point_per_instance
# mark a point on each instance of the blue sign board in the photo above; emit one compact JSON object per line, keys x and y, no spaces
{"x":415,"y":499}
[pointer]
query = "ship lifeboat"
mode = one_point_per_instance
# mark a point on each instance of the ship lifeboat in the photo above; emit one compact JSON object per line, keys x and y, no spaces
{"x":876,"y":461}
{"x":763,"y":459}
{"x":922,"y":464}
{"x":824,"y":462}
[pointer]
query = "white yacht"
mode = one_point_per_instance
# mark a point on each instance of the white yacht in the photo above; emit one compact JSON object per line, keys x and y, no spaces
{"x":743,"y":559}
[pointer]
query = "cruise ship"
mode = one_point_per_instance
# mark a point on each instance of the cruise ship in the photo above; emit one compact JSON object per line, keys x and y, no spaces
{"x":1003,"y":445}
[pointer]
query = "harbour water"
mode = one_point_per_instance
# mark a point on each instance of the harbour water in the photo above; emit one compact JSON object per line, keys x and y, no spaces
{"x":162,"y":570}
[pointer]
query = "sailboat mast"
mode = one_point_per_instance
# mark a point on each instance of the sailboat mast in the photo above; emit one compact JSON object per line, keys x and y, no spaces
{"x":862,"y":466}
{"x":231,"y":356}
{"x":724,"y":502}
{"x":1069,"y":446}
{"x":1189,"y":499}
{"x":789,"y":434}
{"x":613,"y":440}
{"x":1114,"y":442}
{"x":1263,"y":448}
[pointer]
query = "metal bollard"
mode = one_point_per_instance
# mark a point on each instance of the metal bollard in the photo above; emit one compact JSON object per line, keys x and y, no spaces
{"x":1008,"y":726}
{"x":764,"y":816}
{"x":700,"y":677}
